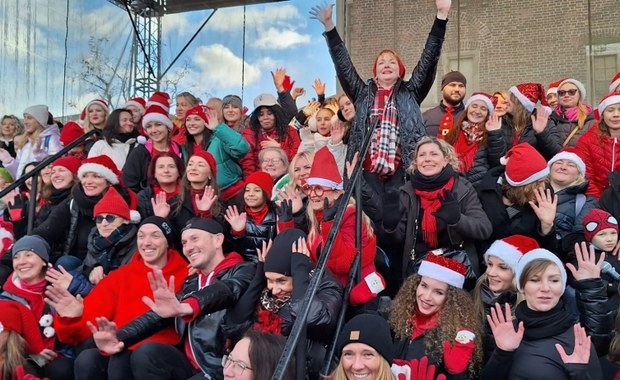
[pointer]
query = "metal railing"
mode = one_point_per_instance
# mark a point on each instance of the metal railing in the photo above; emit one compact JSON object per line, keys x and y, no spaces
{"x":34,"y":173}
{"x":299,"y":327}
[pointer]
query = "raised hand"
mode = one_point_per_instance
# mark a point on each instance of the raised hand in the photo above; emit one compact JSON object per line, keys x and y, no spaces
{"x":539,"y":122}
{"x":589,"y":267}
{"x":164,"y":302}
{"x":493,"y":123}
{"x":278,"y":79}
{"x":262,"y":253}
{"x":323,"y":13}
{"x":311,"y":108}
{"x":5,"y":156}
{"x":616,"y":250}
{"x":96,"y":275}
{"x":337,"y":133}
{"x":545,"y":208}
{"x":213,"y":119}
{"x":350,"y":165}
{"x":59,"y":278}
{"x":105,"y":335}
{"x":269,"y":143}
{"x":161,"y":207}
{"x":506,"y":338}
{"x":300,"y":246}
{"x":581,"y":352}
{"x":236,"y":220}
{"x":293,"y":195}
{"x":297,"y":92}
{"x":208,"y":199}
{"x":443,"y":7}
{"x":415,"y":370}
{"x":319,"y":87}
{"x":450,"y":210}
{"x":329,"y":213}
{"x":65,"y":303}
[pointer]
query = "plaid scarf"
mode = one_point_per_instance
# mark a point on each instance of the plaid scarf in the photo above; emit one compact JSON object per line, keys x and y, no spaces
{"x":384,"y":150}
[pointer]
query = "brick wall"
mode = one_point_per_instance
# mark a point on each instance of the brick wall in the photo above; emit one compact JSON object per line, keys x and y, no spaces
{"x":517,"y":41}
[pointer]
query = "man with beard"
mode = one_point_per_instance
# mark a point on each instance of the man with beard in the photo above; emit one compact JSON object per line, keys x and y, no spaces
{"x":440,"y":119}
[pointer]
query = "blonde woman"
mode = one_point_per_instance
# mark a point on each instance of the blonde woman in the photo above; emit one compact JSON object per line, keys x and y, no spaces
{"x":572,"y":117}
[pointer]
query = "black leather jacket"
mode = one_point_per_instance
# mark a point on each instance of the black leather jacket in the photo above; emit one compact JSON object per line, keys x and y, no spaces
{"x":255,"y":235}
{"x":409,"y":94}
{"x":205,"y":334}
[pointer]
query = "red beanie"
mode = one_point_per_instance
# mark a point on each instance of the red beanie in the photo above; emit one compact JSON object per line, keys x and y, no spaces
{"x":596,"y":221}
{"x":401,"y":66}
{"x":70,"y":162}
{"x":263,"y":180}
{"x":210,"y":160}
{"x":112,"y":203}
{"x":16,"y":317}
{"x":198,"y":110}
{"x":70,"y":132}
{"x":524,"y":165}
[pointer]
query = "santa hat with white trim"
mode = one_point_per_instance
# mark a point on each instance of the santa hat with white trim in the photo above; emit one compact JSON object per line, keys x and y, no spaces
{"x":615,"y":82}
{"x":100,"y":102}
{"x":102,"y":165}
{"x":510,"y":249}
{"x":553,"y":86}
{"x":489,"y":100}
{"x":539,"y":254}
{"x":569,"y":154}
{"x":609,"y":99}
{"x":524,"y":165}
{"x":529,"y":94}
{"x":443,"y":269}
{"x":324,"y":170}
{"x":156,"y":113}
{"x":160,"y":99}
{"x":137,"y":102}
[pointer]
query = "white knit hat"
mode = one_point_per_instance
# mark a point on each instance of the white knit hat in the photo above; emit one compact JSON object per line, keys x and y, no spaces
{"x":539,"y":254}
{"x":578,"y":84}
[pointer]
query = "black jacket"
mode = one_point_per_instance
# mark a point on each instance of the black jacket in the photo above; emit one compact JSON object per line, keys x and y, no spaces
{"x":432,"y":117}
{"x":489,"y":299}
{"x":487,"y":157}
{"x":409,"y":94}
{"x":255,"y":234}
{"x":547,"y":142}
{"x":205,"y":333}
{"x":117,"y":255}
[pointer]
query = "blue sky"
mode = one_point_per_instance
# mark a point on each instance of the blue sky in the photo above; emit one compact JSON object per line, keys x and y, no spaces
{"x":33,"y":52}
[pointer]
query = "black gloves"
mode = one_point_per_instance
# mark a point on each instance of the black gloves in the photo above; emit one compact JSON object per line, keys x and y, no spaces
{"x":285,"y":210}
{"x":329,"y":213}
{"x":450,"y":210}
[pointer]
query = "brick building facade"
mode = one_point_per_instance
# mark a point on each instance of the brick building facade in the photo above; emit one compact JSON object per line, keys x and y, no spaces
{"x":495,"y":43}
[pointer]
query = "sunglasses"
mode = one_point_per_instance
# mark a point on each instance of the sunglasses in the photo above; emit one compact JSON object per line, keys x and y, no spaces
{"x":569,"y":92}
{"x":108,"y":218}
{"x":316,"y":189}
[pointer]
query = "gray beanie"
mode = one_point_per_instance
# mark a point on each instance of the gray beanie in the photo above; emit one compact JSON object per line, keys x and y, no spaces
{"x":40,"y":112}
{"x":34,"y":243}
{"x":232,"y":99}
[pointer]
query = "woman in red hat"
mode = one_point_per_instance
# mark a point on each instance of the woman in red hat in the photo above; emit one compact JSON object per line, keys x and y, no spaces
{"x":63,"y":178}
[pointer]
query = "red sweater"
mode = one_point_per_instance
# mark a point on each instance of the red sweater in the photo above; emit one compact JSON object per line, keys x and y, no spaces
{"x":249,"y":163}
{"x":118,"y":297}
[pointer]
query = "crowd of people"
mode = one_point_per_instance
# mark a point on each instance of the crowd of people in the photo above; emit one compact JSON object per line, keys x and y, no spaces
{"x":182,"y":246}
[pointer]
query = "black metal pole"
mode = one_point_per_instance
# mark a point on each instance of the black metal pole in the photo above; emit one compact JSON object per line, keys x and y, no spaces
{"x":32,"y":203}
{"x":300,"y":322}
{"x":300,"y":357}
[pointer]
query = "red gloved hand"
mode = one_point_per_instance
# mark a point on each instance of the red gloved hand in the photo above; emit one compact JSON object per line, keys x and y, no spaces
{"x":415,"y":370}
{"x":456,"y":358}
{"x":288,"y":84}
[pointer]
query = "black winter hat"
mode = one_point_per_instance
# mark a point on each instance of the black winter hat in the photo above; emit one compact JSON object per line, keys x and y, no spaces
{"x":370,"y":329}
{"x":204,"y":224}
{"x":453,"y":76}
{"x":278,"y":259}
{"x":164,"y":225}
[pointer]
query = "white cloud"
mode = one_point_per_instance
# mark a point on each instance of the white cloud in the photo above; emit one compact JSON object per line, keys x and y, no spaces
{"x":177,"y":24}
{"x":108,"y":22}
{"x":220,"y":67}
{"x":280,"y":39}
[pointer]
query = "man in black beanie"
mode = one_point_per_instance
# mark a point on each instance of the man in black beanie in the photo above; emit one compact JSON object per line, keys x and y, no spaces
{"x":439,"y":120}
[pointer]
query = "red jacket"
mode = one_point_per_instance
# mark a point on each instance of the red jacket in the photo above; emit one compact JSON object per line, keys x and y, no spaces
{"x":118,"y":297}
{"x":601,"y":154}
{"x":250,"y":163}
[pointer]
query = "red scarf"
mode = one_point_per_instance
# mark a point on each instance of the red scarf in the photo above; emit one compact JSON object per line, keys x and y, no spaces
{"x":157,"y":189}
{"x":268,"y":321}
{"x":467,"y":145}
{"x":420,"y":323}
{"x":430,"y":203}
{"x":257,"y":216}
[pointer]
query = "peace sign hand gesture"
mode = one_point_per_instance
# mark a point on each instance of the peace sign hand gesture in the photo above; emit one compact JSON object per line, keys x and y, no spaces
{"x":262,"y":253}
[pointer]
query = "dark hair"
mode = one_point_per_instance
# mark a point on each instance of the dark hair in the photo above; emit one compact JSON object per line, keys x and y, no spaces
{"x":264,"y":351}
{"x":150,"y":171}
{"x":23,"y":188}
{"x":281,"y":127}
{"x":190,"y":140}
{"x":112,"y":126}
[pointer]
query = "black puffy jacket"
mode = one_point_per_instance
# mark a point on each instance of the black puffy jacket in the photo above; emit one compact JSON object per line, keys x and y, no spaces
{"x":206,"y":338}
{"x":546,"y":143}
{"x":409,"y":94}
{"x":489,"y":299}
{"x":487,"y":157}
{"x":255,"y":234}
{"x":595,"y":315}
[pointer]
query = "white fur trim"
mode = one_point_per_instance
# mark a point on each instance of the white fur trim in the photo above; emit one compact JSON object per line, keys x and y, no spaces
{"x":99,"y":169}
{"x":135,"y":104}
{"x":158,"y":104}
{"x":606,"y":103}
{"x":441,"y":273}
{"x":324,"y":182}
{"x":483,"y":98}
{"x":535,"y":254}
{"x":569,"y":156}
{"x":552,"y":90}
{"x":614,"y":85}
{"x":507,"y":252}
{"x":534,"y":177}
{"x":524,"y":100}
{"x":503,"y":160}
{"x":134,"y":216}
{"x":155,"y":116}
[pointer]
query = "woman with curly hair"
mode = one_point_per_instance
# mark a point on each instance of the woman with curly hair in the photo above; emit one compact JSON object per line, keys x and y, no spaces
{"x":433,"y":316}
{"x":268,"y":128}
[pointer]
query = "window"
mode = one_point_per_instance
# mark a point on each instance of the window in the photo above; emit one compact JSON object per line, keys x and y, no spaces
{"x":467,"y":64}
{"x":605,"y":64}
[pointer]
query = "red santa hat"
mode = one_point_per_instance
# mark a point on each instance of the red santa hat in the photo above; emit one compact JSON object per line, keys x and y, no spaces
{"x":156,"y":113}
{"x":18,"y":318}
{"x":553,"y":86}
{"x":102,"y":165}
{"x":609,"y":99}
{"x":529,"y":94}
{"x":113,"y":203}
{"x":401,"y":66}
{"x":137,"y":102}
{"x":198,"y":110}
{"x":160,"y":99}
{"x":263,"y":180}
{"x":210,"y":160}
{"x":615,"y":82}
{"x":524,"y":165}
{"x":569,"y":154}
{"x":443,"y":269}
{"x":511,"y":249}
{"x":596,"y":221}
{"x":489,"y":100}
{"x":70,"y":132}
{"x":100,"y":102}
{"x":82,"y":117}
{"x":324,"y":171}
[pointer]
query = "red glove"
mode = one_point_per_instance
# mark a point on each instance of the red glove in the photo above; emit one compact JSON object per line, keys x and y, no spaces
{"x":288,"y":84}
{"x":19,"y":372}
{"x":415,"y":370}
{"x":456,"y":358}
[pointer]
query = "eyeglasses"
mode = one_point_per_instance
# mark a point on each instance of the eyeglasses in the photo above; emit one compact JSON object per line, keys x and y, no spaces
{"x":571,"y":92}
{"x":108,"y":218}
{"x":238,"y":366}
{"x":318,"y":190}
{"x":274,"y":161}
